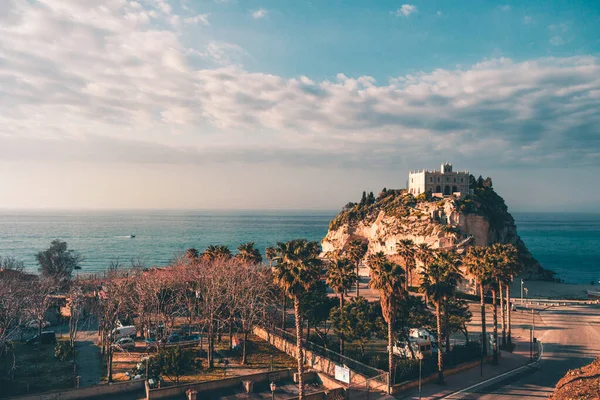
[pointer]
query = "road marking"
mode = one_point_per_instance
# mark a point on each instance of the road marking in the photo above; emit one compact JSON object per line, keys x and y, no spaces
{"x":511,"y":372}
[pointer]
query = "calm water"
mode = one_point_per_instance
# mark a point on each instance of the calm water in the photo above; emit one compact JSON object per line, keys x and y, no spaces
{"x":568,"y":244}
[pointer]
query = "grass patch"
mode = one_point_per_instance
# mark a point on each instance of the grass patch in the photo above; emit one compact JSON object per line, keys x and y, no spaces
{"x":36,"y":371}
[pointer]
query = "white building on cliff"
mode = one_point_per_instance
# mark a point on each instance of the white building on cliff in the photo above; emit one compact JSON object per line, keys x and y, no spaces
{"x":444,"y":182}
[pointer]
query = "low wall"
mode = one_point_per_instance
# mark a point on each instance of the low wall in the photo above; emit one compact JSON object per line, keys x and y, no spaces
{"x":86,"y":392}
{"x":235,"y":381}
{"x":401,"y":387}
{"x":324,"y":395}
{"x":315,"y":361}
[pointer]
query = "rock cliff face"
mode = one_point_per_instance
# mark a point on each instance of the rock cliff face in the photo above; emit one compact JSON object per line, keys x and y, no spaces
{"x":479,"y":219}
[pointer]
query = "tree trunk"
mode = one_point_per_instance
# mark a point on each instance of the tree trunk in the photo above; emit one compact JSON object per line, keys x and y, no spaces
{"x":502,"y":314}
{"x":283,"y":314}
{"x":483,"y":324}
{"x":307,"y":329}
{"x":341,"y":340}
{"x":244,"y":356}
{"x":438,"y":320}
{"x":230,"y":335}
{"x":392,"y":375}
{"x":209,"y":350}
{"x":299,"y":348}
{"x":357,"y":279}
{"x":508,"y":312}
{"x":110,"y":359}
{"x":495,"y":308}
{"x":447,"y":325}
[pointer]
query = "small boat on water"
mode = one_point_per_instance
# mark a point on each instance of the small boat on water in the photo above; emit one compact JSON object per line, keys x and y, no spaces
{"x":131,"y":236}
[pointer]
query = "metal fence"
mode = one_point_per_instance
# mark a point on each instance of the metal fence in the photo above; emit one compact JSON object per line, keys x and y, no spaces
{"x":351,"y":363}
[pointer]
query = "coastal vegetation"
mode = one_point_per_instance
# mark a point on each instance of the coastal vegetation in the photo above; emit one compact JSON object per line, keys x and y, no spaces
{"x":216,"y":293}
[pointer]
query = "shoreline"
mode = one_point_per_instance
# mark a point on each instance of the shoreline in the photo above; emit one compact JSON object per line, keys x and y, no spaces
{"x":551,"y":290}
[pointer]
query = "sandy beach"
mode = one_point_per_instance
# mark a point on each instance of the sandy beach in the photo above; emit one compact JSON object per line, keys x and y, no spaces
{"x":552,"y":290}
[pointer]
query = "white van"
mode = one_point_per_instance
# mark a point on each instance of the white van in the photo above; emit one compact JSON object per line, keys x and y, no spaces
{"x":123,"y":331}
{"x":420,"y":348}
{"x":422,"y":333}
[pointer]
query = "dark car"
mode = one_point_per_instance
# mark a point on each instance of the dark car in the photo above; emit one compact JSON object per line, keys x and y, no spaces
{"x":173,"y":338}
{"x":190,"y":338}
{"x":47,"y":337}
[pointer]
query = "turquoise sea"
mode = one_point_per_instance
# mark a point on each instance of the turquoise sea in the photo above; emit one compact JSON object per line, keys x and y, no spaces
{"x":568,"y":244}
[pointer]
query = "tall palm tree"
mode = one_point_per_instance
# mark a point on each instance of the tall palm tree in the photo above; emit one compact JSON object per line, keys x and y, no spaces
{"x":451,"y":261}
{"x":439,"y":280}
{"x":340,"y":277}
{"x":474,"y":261}
{"x":216,"y":252}
{"x":493,"y":261}
{"x":406,"y":249}
{"x":192,"y":255}
{"x":506,"y":269}
{"x":271,"y":253}
{"x":249,"y":254}
{"x":356,"y":252}
{"x":298,"y":268}
{"x":515,"y":266}
{"x":388,"y":278}
{"x":424,"y":253}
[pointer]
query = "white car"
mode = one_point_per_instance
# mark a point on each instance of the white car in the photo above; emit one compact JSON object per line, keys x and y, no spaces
{"x":33,"y":324}
{"x":124,"y":343}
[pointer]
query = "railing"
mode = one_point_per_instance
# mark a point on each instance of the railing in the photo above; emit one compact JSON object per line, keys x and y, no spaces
{"x":351,"y":363}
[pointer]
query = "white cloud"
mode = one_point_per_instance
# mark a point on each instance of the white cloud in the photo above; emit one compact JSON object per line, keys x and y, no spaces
{"x":405,"y":10}
{"x":439,"y":13}
{"x":527,"y":20}
{"x":260,"y":13}
{"x":557,"y":41}
{"x":120,"y":89}
{"x":504,"y":8}
{"x":198,"y":19}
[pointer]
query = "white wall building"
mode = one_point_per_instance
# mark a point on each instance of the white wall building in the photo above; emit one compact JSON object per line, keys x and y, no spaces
{"x":445,"y":181}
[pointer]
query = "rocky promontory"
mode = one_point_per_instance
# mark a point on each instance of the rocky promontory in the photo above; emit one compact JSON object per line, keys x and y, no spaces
{"x":480,"y":218}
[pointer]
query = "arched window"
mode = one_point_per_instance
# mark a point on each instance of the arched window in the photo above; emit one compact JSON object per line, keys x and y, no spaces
{"x":447,"y":190}
{"x":447,"y":179}
{"x":454,"y":189}
{"x":438,"y":189}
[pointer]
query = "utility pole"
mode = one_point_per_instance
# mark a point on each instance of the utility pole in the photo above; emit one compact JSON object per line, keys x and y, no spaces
{"x":521,"y":291}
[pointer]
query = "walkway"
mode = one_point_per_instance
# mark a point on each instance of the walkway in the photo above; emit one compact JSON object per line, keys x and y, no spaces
{"x":461,"y":380}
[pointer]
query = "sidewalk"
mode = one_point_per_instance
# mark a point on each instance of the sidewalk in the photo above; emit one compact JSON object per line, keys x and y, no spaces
{"x":461,"y":380}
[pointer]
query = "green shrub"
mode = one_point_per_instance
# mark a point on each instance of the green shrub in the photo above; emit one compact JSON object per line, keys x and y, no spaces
{"x":64,"y":351}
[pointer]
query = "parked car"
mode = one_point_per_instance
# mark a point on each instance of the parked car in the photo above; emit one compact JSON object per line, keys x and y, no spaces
{"x":173,"y":338}
{"x":419,"y":347}
{"x":34,"y":324}
{"x":190,"y":338}
{"x":47,"y":337}
{"x":150,"y":342}
{"x":123,"y":331}
{"x":124,"y":343}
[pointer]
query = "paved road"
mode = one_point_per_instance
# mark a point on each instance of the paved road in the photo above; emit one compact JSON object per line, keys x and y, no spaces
{"x":571,"y":339}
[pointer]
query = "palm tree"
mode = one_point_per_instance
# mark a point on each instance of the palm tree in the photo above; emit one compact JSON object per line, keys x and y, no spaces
{"x":340,"y":277}
{"x":192,"y":255}
{"x":514,"y":268}
{"x":218,"y":252}
{"x":506,"y":269}
{"x":439,"y":280}
{"x":405,"y":248}
{"x":388,"y":278}
{"x":451,"y":260}
{"x":356,"y":252}
{"x":298,"y":268}
{"x":493,"y":261}
{"x":425,"y":254}
{"x":248,"y":254}
{"x":271,"y":253}
{"x":476,"y":267}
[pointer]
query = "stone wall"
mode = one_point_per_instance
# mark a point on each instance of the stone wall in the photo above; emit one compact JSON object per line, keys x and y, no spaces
{"x":317,"y":362}
{"x":235,"y":381}
{"x":87,"y":392}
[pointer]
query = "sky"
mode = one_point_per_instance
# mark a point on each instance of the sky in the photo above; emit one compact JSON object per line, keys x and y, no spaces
{"x":294,"y":104}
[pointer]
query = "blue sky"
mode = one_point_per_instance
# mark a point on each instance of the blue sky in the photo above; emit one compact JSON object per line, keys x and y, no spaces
{"x":294,"y":104}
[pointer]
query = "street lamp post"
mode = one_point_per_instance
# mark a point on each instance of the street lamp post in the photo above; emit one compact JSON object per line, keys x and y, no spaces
{"x":273,"y":387}
{"x":420,"y":361}
{"x":521,"y":291}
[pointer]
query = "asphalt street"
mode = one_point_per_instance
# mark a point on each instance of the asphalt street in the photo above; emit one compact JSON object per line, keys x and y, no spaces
{"x":571,"y":339}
